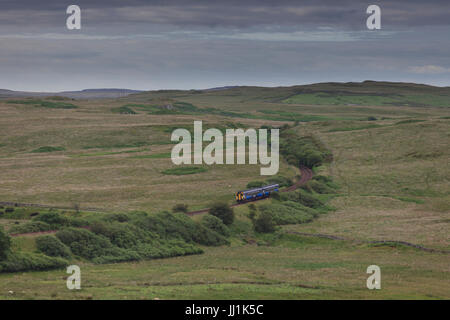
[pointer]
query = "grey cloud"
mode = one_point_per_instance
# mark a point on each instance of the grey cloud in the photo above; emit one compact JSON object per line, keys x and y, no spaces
{"x":199,"y":44}
{"x":228,"y":13}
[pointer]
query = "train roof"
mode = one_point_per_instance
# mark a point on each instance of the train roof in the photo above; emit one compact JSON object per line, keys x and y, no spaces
{"x":270,"y":186}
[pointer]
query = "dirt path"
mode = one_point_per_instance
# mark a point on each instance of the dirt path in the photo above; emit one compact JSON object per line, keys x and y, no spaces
{"x":33,"y":233}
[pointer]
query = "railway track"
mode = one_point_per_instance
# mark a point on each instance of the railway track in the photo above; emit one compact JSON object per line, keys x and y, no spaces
{"x":306,"y":175}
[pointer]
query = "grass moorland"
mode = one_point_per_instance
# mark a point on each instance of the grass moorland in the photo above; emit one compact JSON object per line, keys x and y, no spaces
{"x":390,"y":161}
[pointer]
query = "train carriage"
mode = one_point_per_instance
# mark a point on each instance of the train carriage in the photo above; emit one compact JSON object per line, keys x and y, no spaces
{"x":256,"y":193}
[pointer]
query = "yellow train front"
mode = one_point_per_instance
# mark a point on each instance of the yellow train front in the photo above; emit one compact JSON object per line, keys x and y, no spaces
{"x":256,"y":193}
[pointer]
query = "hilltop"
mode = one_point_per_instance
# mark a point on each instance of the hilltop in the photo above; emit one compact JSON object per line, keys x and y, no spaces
{"x":328,"y":93}
{"x":82,"y":94}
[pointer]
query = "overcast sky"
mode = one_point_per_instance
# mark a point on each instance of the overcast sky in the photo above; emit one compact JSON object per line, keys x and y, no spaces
{"x":205,"y":43}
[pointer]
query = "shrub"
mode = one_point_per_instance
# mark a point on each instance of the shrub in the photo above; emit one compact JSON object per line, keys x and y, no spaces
{"x":252,"y":212}
{"x":264,"y":223}
{"x":179,"y":226}
{"x":84,"y":243}
{"x":23,"y":261}
{"x":53,"y":219}
{"x":281,"y":180}
{"x":123,"y":110}
{"x":215,"y":224}
{"x":5,"y":244}
{"x":208,"y":237}
{"x":307,"y":151}
{"x":120,"y":217}
{"x":29,"y":227}
{"x":48,"y":149}
{"x":371,"y":118}
{"x":323,"y":179}
{"x":52,"y":246}
{"x":9,"y":210}
{"x":326,"y":180}
{"x":222,"y":211}
{"x":181,"y":207}
{"x":318,"y":187}
{"x":75,"y":222}
{"x":275,"y":195}
{"x":121,"y":235}
{"x":303,"y":198}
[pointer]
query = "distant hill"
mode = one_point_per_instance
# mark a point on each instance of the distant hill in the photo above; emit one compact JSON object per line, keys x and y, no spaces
{"x":220,"y":88}
{"x":83,"y":94}
{"x":366,"y":93}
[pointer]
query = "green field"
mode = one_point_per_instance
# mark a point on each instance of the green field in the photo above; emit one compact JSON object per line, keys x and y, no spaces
{"x":389,"y":164}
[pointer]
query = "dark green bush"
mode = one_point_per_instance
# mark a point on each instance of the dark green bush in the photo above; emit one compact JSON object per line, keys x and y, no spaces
{"x":48,"y":149}
{"x":123,"y":110}
{"x":281,"y":180}
{"x":264,"y":223}
{"x":323,"y":179}
{"x":53,"y":218}
{"x":179,"y":226}
{"x":120,"y":217}
{"x":215,"y":224}
{"x":275,"y":195}
{"x":5,"y":244}
{"x":22,"y":261}
{"x":319,"y":187}
{"x":84,"y":243}
{"x":326,"y":180}
{"x":222,"y":211}
{"x":28,"y":227}
{"x":181,"y":207}
{"x":307,"y":151}
{"x":208,"y":237}
{"x":52,"y":246}
{"x":122,"y":235}
{"x":76,"y":222}
{"x":302,"y":197}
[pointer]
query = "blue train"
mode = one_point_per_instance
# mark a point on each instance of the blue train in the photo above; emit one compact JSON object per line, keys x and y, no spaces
{"x":256,"y":193}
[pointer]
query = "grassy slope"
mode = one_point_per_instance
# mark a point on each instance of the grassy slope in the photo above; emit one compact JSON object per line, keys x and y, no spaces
{"x":394,"y":182}
{"x":111,"y":161}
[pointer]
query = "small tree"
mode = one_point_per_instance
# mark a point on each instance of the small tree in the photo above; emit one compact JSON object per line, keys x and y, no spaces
{"x":52,"y":246}
{"x":222,"y":211}
{"x":5,"y":244}
{"x":181,"y":207}
{"x":275,"y":195}
{"x":215,"y":224}
{"x":264,"y":223}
